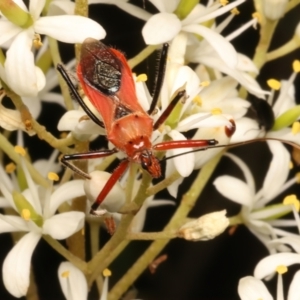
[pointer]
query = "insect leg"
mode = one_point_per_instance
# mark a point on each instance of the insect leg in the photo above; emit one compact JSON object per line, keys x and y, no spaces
{"x":86,"y":155}
{"x":169,"y":109}
{"x":117,"y":173}
{"x":160,"y":77}
{"x":168,"y":145}
{"x":75,"y":93}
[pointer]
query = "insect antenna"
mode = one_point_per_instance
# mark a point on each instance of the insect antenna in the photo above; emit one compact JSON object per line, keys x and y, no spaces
{"x":294,"y":145}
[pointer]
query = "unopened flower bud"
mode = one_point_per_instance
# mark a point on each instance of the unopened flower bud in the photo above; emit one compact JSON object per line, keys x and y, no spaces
{"x":92,"y":187}
{"x":204,"y":228}
{"x":274,"y":9}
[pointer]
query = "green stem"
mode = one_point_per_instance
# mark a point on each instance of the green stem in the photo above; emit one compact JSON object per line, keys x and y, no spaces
{"x":141,"y":56}
{"x":285,"y":49}
{"x":163,"y":184}
{"x":152,"y":235}
{"x":96,"y":264}
{"x":187,"y":203}
{"x":266,"y":34}
{"x":8,"y":148}
{"x":77,"y":262}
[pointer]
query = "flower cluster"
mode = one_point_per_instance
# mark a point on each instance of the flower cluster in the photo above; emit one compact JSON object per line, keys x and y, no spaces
{"x":209,"y":97}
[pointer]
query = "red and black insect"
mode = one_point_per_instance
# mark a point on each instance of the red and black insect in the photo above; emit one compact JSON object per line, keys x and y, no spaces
{"x":107,"y":81}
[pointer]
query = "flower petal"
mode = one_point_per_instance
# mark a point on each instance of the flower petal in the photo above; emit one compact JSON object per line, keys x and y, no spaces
{"x":268,"y":264}
{"x":36,"y":7}
{"x":161,"y":28}
{"x":184,"y":164}
{"x":294,"y":290}
{"x":251,"y":288}
{"x":115,"y":198}
{"x":7,"y":31}
{"x":72,"y":282}
{"x":19,"y":65}
{"x":66,"y":192}
{"x":16,"y":266}
{"x":12,"y":223}
{"x":69,"y":29}
{"x":63,"y":225}
{"x":165,"y":6}
{"x":278,"y":170}
{"x":234,"y":189}
{"x":224,"y":49}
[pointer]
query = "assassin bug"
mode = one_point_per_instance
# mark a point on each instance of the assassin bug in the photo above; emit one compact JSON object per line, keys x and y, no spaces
{"x":107,"y":81}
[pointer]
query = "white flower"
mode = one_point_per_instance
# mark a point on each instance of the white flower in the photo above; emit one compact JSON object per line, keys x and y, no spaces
{"x":19,"y":62}
{"x":260,"y":219}
{"x":72,"y":281}
{"x":10,"y":119}
{"x":37,"y":206}
{"x":251,"y":288}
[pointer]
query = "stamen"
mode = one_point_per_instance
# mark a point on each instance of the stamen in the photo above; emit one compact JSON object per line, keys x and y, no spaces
{"x":141,"y":77}
{"x":216,"y":111}
{"x":197,"y":100}
{"x":223,"y":2}
{"x":10,"y":168}
{"x":295,"y":128}
{"x":256,"y":15}
{"x":274,"y":84}
{"x":291,"y":165}
{"x":53,"y":176}
{"x":292,"y":200}
{"x":106,"y":273}
{"x":235,"y":11}
{"x":20,"y":150}
{"x":25,"y":214}
{"x":297,"y":177}
{"x":281,"y":269}
{"x":296,"y":66}
{"x":65,"y":274}
{"x":37,"y":41}
{"x":205,"y":83}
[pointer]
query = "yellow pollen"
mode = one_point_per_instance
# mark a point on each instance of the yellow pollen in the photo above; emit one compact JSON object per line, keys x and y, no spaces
{"x":9,"y":168}
{"x":274,"y":84}
{"x":297,"y":177}
{"x":65,"y":274}
{"x":295,"y":128}
{"x":292,"y":200}
{"x":235,"y":11}
{"x":223,"y":2}
{"x":20,"y":150}
{"x":197,"y":100}
{"x":141,"y":77}
{"x":291,"y":165}
{"x":257,"y":16}
{"x":37,"y":41}
{"x":53,"y":176}
{"x":25,"y":214}
{"x":106,"y":273}
{"x":82,"y":231}
{"x":296,"y":66}
{"x":281,"y":269}
{"x":161,"y":128}
{"x":216,"y":111}
{"x":205,"y":83}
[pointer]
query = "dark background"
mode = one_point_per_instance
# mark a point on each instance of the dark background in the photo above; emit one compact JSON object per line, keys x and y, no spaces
{"x":203,"y":270}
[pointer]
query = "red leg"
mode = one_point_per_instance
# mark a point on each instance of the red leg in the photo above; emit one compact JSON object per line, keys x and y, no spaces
{"x":87,"y":155}
{"x":109,"y":185}
{"x":168,"y":145}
